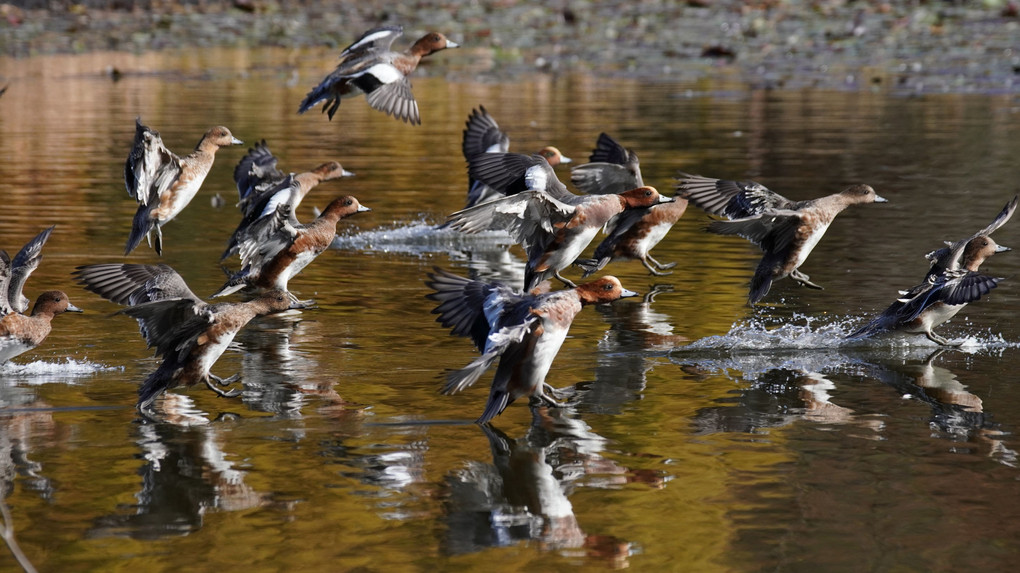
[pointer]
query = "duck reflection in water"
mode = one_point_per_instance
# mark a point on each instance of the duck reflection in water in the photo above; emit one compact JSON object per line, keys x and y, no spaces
{"x":638,"y":336}
{"x":784,"y":388}
{"x":186,"y":474}
{"x":803,"y":389}
{"x":523,"y":494}
{"x":956,"y":413}
{"x":276,"y":372}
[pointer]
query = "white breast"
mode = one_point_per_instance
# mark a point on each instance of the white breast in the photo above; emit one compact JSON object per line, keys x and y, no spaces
{"x":809,"y":244}
{"x":656,"y":234}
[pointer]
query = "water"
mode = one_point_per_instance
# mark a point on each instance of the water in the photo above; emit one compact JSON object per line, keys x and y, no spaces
{"x":699,"y":434}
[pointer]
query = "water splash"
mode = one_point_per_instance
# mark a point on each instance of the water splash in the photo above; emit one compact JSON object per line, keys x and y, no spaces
{"x":802,"y":332}
{"x":420,"y":237}
{"x":40,"y":371}
{"x":814,"y":344}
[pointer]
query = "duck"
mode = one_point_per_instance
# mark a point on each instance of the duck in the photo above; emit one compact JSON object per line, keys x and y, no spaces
{"x":20,"y":333}
{"x":552,"y":224}
{"x":188,"y":333}
{"x":524,"y":331}
{"x":785,"y":230}
{"x":273,"y":249}
{"x":631,"y":235}
{"x":370,"y":67}
{"x":261,"y":186}
{"x":952,"y":281}
{"x":483,"y":135}
{"x":164,"y":183}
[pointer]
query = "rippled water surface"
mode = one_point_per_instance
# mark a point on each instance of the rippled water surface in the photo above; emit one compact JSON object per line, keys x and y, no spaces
{"x":698,"y":434}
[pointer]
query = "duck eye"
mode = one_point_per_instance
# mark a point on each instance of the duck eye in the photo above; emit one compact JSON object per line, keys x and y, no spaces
{"x":607,"y":286}
{"x":349,"y":202}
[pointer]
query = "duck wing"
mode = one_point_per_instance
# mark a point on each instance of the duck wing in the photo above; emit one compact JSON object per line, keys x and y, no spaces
{"x":169,"y":314}
{"x":511,"y":173}
{"x":530,"y":217}
{"x":730,"y":199}
{"x":26,"y":261}
{"x":389,"y":91}
{"x":150,"y":168}
{"x":948,"y":257}
{"x":468,"y":307}
{"x":5,"y":278}
{"x":513,"y":326}
{"x":773,"y":232}
{"x":265,"y":238}
{"x":255,"y":173}
{"x":132,"y":284}
{"x":374,"y":41}
{"x":483,"y":135}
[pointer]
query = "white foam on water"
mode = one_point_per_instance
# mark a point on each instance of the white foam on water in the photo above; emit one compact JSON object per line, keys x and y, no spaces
{"x":41,"y":371}
{"x":814,"y":344}
{"x":419,"y":237}
{"x":803,"y":332}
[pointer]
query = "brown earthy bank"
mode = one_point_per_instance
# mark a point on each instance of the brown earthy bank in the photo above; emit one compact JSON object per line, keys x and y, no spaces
{"x":917,"y":46}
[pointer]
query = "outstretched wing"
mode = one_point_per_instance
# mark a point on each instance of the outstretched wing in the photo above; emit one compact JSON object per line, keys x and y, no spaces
{"x":530,"y":218}
{"x":730,"y":199}
{"x":255,"y":173}
{"x":483,"y":135}
{"x":5,"y":277}
{"x":266,"y":237}
{"x":132,"y":284}
{"x":468,"y":307}
{"x":26,"y":261}
{"x":497,"y":343}
{"x":948,"y":257}
{"x":773,"y":232}
{"x":169,"y":315}
{"x":393,"y":96}
{"x":150,"y":168}
{"x":511,"y":173}
{"x":373,"y":41}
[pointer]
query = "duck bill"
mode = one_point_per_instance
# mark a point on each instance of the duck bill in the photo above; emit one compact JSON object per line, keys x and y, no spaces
{"x":664,"y":199}
{"x":362,"y":209}
{"x":880,"y":199}
{"x":628,"y":293}
{"x":72,"y":308}
{"x":346,"y":173}
{"x":1002,"y":249}
{"x":565,"y":159}
{"x":236,"y":141}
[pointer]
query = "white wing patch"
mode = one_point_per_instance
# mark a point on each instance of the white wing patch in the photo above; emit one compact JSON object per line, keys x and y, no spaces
{"x":536,"y":178}
{"x":385,"y":73}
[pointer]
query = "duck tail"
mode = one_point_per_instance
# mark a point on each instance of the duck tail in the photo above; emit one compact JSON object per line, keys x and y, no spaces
{"x":760,"y":285}
{"x":864,"y":331}
{"x":235,"y":282}
{"x":140,"y":227}
{"x":158,"y":382}
{"x":321,"y":92}
{"x":498,"y":401}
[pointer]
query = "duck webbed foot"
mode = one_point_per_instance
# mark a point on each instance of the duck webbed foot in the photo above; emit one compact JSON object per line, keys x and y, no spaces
{"x":803,"y":279}
{"x":941,"y":340}
{"x":658,"y":265}
{"x":223,"y":382}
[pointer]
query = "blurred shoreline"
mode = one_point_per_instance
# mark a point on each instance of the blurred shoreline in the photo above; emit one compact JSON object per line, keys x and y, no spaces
{"x":923,"y":47}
